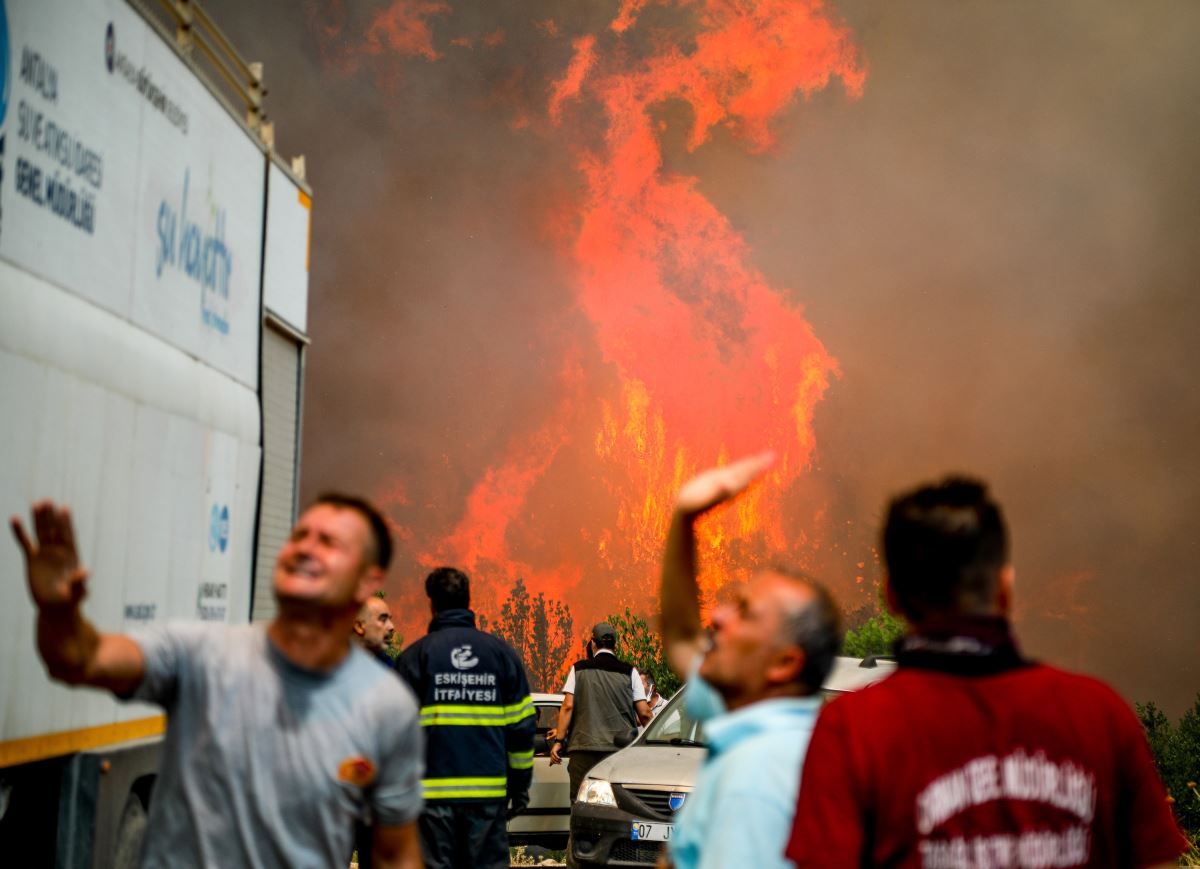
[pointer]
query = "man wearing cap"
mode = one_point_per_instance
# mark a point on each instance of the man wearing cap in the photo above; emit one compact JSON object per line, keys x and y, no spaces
{"x":603,"y":698}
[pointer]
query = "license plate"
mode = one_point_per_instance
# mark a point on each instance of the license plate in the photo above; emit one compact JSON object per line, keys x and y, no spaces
{"x":651,"y":832}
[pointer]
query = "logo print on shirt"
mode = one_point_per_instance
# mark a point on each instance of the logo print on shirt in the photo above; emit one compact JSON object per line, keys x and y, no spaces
{"x":462,"y":658}
{"x":356,"y":771}
{"x":675,"y":801}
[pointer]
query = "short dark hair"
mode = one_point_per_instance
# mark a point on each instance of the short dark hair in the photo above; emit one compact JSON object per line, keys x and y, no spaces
{"x":381,"y":536}
{"x":815,"y":627}
{"x":944,"y":545}
{"x":448,"y":589}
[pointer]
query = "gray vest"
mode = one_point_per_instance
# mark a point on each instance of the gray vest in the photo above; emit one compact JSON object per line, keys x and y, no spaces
{"x":603,"y":704}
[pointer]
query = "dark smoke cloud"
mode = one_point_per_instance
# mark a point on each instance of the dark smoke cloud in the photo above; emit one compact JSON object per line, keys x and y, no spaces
{"x":997,"y":242}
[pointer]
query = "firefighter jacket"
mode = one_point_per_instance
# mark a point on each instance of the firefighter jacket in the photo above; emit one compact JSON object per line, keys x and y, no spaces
{"x":476,"y":712}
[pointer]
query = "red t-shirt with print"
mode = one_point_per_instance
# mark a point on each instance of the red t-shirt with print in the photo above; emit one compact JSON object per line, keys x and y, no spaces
{"x":1028,"y":767}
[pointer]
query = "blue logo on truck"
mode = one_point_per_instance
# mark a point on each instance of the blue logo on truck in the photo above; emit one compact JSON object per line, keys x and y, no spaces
{"x":218,"y":528}
{"x":194,"y":245}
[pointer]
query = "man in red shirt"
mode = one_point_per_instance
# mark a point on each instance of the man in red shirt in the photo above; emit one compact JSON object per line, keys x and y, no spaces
{"x":971,"y":756}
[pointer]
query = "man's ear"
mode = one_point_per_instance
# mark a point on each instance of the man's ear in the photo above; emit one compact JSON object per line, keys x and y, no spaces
{"x":893,"y":599}
{"x":786,"y":665}
{"x":1005,"y":588}
{"x":370,"y":582}
{"x":360,"y":628}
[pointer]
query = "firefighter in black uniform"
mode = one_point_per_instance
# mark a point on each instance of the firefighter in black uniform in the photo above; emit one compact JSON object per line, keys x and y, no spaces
{"x":478,"y":718}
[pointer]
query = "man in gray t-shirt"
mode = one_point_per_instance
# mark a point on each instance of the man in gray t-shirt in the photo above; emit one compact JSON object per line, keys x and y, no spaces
{"x":279,"y":737}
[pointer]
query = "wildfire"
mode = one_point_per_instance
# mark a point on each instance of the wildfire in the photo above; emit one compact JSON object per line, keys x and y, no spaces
{"x":400,"y":30}
{"x":707,"y":360}
{"x":712,"y":361}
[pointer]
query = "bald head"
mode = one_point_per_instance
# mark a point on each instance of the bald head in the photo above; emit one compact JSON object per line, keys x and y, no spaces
{"x":373,"y":626}
{"x":777,"y":635}
{"x":809,"y":619}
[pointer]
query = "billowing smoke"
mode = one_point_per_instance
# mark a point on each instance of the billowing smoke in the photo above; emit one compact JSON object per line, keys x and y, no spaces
{"x":566,"y":253}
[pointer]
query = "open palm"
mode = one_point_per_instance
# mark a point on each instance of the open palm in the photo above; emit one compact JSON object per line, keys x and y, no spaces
{"x":716,"y":485}
{"x":52,"y":563}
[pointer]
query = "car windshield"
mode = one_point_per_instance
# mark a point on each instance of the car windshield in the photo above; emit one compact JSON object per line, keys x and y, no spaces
{"x":673,"y":726}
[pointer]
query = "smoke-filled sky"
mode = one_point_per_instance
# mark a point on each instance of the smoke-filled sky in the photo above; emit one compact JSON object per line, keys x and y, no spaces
{"x":565,"y":253}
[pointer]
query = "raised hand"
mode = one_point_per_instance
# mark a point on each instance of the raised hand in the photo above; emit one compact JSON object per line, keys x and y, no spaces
{"x":56,"y":581}
{"x":682,"y":632}
{"x":716,"y":485}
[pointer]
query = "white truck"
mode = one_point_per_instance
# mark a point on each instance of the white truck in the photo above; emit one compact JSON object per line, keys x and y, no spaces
{"x":153,"y":296}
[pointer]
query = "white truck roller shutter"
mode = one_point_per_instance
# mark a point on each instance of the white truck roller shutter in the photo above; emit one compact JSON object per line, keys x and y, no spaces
{"x":282,"y":378}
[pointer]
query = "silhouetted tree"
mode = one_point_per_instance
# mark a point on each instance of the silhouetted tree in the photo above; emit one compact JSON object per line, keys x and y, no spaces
{"x":541,"y":630}
{"x":1176,"y":752}
{"x":641,"y":646}
{"x":875,"y":636}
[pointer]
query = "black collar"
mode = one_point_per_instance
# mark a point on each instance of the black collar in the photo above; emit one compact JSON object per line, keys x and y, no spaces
{"x":962,"y":646}
{"x":455,"y":618}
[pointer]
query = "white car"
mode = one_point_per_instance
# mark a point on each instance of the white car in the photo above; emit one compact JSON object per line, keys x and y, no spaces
{"x":547,"y":820}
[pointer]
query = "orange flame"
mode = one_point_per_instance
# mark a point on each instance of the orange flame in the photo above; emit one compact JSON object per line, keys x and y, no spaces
{"x":568,"y":86}
{"x":713,"y":361}
{"x":706,"y":359}
{"x":479,"y":543}
{"x":402,"y":29}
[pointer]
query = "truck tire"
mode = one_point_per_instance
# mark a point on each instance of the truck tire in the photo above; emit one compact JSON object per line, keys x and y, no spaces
{"x":127,"y":852}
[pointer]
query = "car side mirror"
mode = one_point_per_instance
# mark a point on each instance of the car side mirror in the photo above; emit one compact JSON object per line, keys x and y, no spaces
{"x":541,"y":748}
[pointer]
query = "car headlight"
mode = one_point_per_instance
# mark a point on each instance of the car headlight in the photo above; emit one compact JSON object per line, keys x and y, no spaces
{"x":597,"y":792}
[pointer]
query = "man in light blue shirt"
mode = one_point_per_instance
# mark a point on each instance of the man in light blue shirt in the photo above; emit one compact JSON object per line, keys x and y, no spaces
{"x":754,"y":683}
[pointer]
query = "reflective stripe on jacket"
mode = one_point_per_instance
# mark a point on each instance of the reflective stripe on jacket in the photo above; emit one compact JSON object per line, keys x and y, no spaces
{"x":476,"y":711}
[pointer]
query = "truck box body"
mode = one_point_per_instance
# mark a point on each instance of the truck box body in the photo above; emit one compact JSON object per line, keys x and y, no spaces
{"x":133,"y":236}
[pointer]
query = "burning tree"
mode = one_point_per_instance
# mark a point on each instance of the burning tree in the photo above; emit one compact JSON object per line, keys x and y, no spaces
{"x":690,"y":354}
{"x":540,"y":629}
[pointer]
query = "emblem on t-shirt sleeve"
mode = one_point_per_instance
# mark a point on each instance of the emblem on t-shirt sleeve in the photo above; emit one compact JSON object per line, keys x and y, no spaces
{"x":356,"y":771}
